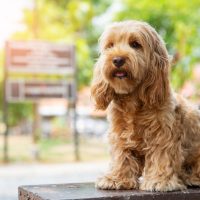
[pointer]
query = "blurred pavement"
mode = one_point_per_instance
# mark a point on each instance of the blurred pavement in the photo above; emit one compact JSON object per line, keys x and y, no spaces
{"x":12,"y":176}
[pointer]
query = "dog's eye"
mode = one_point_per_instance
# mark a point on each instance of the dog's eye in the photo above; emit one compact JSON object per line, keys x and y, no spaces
{"x":109,"y":45}
{"x":135,"y":45}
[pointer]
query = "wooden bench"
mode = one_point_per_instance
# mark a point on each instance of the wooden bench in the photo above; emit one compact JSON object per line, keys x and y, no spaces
{"x":88,"y":191}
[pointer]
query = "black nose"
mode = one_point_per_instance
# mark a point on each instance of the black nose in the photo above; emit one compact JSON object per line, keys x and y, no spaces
{"x":118,"y":61}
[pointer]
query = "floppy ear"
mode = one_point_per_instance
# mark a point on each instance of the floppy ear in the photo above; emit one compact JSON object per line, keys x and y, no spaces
{"x":101,"y":92}
{"x":155,"y":86}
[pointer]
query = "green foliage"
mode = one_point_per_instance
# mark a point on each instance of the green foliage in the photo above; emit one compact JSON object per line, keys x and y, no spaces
{"x":178,"y":22}
{"x":18,"y":112}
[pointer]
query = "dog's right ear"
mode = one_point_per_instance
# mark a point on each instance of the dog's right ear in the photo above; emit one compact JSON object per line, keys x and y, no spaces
{"x":101,"y":92}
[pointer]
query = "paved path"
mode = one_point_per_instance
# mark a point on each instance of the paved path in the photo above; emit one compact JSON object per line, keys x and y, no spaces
{"x":11,"y":176}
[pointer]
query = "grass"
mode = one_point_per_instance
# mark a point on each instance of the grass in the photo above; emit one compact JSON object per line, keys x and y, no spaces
{"x":22,"y":149}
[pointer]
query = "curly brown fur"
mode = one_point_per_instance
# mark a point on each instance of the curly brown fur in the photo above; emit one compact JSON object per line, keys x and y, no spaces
{"x":153,"y":132}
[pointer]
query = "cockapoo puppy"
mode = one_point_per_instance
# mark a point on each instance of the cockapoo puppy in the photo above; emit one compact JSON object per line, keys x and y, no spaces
{"x":154,"y":133}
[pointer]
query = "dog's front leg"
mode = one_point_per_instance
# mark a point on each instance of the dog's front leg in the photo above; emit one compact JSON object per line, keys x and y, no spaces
{"x":124,"y":170}
{"x":163,"y":162}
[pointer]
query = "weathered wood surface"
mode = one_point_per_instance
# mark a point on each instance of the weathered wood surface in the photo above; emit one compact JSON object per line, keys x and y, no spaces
{"x":88,"y":191}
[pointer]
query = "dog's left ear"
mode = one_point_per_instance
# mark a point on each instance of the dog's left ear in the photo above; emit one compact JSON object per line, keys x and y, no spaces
{"x":155,"y":87}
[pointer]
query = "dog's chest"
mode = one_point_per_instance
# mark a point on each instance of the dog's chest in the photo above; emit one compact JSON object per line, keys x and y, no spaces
{"x":135,"y":126}
{"x":131,"y":127}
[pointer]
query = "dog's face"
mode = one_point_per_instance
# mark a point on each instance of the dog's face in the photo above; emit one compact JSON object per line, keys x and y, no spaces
{"x":132,"y":57}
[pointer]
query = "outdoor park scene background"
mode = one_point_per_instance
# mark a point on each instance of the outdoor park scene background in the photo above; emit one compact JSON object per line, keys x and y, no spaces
{"x":41,"y":133}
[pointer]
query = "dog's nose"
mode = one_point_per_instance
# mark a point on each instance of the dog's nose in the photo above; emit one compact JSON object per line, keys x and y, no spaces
{"x":118,"y":61}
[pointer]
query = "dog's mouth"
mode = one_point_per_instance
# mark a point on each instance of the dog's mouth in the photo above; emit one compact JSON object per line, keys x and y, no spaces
{"x":120,"y":74}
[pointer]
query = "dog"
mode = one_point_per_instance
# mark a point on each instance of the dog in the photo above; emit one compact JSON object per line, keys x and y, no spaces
{"x":154,"y":133}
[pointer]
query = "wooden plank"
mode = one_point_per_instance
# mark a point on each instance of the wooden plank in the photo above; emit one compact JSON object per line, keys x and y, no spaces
{"x":88,"y":191}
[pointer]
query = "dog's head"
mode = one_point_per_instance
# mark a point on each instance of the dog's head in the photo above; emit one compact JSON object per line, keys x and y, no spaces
{"x":133,"y":60}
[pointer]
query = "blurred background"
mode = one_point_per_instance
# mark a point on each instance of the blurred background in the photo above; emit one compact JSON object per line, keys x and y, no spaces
{"x":60,"y":140}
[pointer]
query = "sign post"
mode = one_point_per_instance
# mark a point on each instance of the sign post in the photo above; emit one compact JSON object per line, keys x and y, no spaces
{"x":39,"y":58}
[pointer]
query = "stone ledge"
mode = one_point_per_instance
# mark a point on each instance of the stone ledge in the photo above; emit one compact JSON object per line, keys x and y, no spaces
{"x":88,"y":191}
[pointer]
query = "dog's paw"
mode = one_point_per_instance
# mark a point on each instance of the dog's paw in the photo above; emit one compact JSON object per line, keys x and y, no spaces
{"x":192,"y":181}
{"x":107,"y":183}
{"x":162,"y":185}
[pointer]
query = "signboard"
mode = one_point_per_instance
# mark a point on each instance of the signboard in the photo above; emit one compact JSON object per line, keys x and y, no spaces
{"x":35,"y":58}
{"x":22,"y":90}
{"x":40,"y":57}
